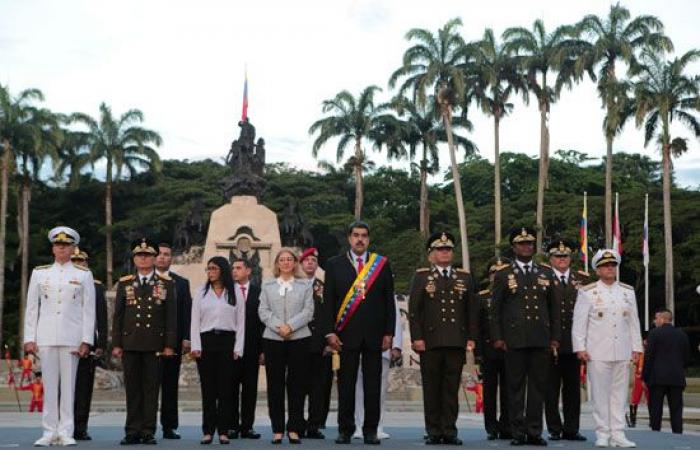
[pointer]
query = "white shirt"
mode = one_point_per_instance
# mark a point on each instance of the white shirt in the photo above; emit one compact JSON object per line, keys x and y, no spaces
{"x":148,"y":276}
{"x":239,"y":291}
{"x":354,"y":259}
{"x":440,"y":269}
{"x":212,"y":312}
{"x":60,"y":306}
{"x":562,"y":274}
{"x":522,"y":265}
{"x":606,"y":324}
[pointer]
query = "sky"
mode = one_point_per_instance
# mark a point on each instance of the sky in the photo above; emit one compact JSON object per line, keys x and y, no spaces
{"x":182,"y":63}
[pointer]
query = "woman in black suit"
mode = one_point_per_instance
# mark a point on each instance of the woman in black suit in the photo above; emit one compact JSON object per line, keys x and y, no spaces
{"x":218,"y":333}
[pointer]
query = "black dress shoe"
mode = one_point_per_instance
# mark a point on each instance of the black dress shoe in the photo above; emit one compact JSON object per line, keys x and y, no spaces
{"x":314,"y":434}
{"x":82,"y":436}
{"x":555,"y":436}
{"x":130,"y":440}
{"x":518,"y":441}
{"x":223,"y":439}
{"x":372,"y":439}
{"x":573,"y":437}
{"x":451,"y":440}
{"x":343,"y":439}
{"x":536,"y":440}
{"x":170,"y":434}
{"x":491,"y":436}
{"x":276,"y":441}
{"x":505,"y":435}
{"x":206,"y":440}
{"x":292,"y":440}
{"x":249,"y":434}
{"x":148,"y":439}
{"x":233,"y":434}
{"x":433,"y":440}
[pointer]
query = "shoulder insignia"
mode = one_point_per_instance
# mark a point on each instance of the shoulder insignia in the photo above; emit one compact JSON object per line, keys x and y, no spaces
{"x":583,"y":273}
{"x":423,"y":269}
{"x":165,"y":277}
{"x":85,"y":269}
{"x":589,"y":286}
{"x":460,"y":270}
{"x":503,"y":266}
{"x":127,"y":278}
{"x":321,"y":278}
{"x":485,"y":292}
{"x":545,"y":265}
{"x":97,"y":281}
{"x":626,"y":286}
{"x":43,"y":267}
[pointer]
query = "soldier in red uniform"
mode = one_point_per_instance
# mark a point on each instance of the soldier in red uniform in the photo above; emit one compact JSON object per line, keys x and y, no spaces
{"x":37,"y":388}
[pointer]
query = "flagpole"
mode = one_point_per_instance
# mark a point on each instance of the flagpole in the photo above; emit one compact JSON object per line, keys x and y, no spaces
{"x":617,"y":227}
{"x":585,"y":230}
{"x":646,"y":262}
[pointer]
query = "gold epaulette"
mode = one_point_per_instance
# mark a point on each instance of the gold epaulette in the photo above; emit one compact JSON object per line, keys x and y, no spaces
{"x":589,"y":286}
{"x":79,"y":267}
{"x":484,"y":292}
{"x":164,"y":276}
{"x":460,"y":270}
{"x":502,"y":266}
{"x":423,"y":269}
{"x":626,"y":286}
{"x":583,"y":273}
{"x":97,"y":281}
{"x":545,"y":265}
{"x":127,"y":278}
{"x":43,"y":267}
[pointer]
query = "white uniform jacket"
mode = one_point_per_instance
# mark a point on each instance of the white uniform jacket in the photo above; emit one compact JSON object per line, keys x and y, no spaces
{"x":60,"y":306}
{"x":606,"y":324}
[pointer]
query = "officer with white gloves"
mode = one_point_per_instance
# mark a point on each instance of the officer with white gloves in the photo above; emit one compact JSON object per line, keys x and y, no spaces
{"x":59,"y":327}
{"x":606,"y":335}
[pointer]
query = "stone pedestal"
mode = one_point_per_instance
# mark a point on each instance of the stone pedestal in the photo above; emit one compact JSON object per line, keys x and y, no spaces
{"x":243,"y":227}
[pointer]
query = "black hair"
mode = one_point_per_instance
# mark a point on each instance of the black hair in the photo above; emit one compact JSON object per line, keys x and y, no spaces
{"x":225,"y":277}
{"x":246,"y":262}
{"x":358,"y":224}
{"x":165,"y":245}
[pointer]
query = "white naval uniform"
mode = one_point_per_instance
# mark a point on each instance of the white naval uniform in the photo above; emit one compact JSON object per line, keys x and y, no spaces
{"x":606,"y":325}
{"x":397,"y":342}
{"x":60,"y":315}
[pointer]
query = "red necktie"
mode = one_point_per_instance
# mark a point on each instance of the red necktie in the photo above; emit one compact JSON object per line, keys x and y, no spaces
{"x":360,"y":265}
{"x":245,"y":297}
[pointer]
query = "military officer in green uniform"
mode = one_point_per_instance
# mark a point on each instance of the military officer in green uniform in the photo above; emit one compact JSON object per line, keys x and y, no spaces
{"x":565,"y":367}
{"x":443,"y":317}
{"x":144,"y":329}
{"x":526,"y":325}
{"x":493,"y":368}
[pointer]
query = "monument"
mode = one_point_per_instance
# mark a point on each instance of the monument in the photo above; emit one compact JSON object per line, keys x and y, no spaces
{"x":240,"y":228}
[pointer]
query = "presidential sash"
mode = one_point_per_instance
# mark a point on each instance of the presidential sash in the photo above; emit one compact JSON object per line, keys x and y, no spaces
{"x":356,"y":294}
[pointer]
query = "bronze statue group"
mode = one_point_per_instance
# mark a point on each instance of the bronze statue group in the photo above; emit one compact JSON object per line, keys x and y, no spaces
{"x":533,"y":328}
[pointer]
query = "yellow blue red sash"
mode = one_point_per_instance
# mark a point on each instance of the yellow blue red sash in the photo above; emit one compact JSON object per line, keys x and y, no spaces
{"x":358,"y":290}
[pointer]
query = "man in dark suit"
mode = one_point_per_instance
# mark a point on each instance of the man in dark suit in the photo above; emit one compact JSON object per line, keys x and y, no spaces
{"x":245,"y":370}
{"x":144,"y":331}
{"x":360,"y":317}
{"x":565,"y":367}
{"x":170,"y":367}
{"x":444,"y":320}
{"x":526,"y":324}
{"x":85,"y":378}
{"x":667,"y":354}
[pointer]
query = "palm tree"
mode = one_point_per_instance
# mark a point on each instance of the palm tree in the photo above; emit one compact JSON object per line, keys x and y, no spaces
{"x":614,"y":38}
{"x":354,"y":120}
{"x":499,"y":78}
{"x":16,"y":114}
{"x":665,"y":93}
{"x":125,"y":146}
{"x":438,"y":64}
{"x":538,"y":53}
{"x":72,"y":157}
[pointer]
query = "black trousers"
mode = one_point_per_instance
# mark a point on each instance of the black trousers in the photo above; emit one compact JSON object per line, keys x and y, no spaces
{"x":441,"y":373}
{"x":84,"y":382}
{"x":169,"y":385}
{"x":141,"y":381}
{"x":286,"y":368}
{"x":245,"y":391}
{"x":215,"y":367}
{"x":318,"y":391}
{"x":493,"y":371}
{"x":674,"y":396}
{"x":564,"y":377}
{"x":527,"y":370}
{"x":372,"y":382}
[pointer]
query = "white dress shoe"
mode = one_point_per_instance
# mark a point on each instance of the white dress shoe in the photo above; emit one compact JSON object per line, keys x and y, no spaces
{"x":602,"y":442}
{"x":381,"y":434}
{"x":357,"y":435}
{"x":44,"y":441}
{"x":66,"y":441}
{"x":622,"y":442}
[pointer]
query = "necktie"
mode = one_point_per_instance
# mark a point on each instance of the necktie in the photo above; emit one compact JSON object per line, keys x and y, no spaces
{"x":527,"y":269}
{"x":563,"y":280}
{"x":143,"y":281}
{"x":245,"y":297}
{"x":444,"y":273}
{"x":360,"y":264}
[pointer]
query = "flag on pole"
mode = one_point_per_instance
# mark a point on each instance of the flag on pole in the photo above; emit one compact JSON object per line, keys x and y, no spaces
{"x":583,"y":236}
{"x":244,"y":113}
{"x":645,"y":235}
{"x":617,"y":236}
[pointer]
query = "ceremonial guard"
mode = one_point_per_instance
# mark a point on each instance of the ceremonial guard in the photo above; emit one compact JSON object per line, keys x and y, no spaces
{"x":59,"y":326}
{"x":320,"y":373}
{"x":565,"y":367}
{"x":606,"y":334}
{"x":144,"y":330}
{"x":85,"y":379}
{"x":526,"y":324}
{"x":444,"y":314}
{"x":170,"y":367}
{"x":493,"y":367}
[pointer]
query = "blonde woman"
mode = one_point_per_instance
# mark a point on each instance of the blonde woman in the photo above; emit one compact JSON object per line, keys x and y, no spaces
{"x":286,"y":308}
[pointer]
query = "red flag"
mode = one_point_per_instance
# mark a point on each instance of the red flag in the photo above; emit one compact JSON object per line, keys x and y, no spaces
{"x":244,"y":113}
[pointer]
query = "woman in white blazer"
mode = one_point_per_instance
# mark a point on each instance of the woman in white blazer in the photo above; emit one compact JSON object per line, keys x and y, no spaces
{"x":286,"y":308}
